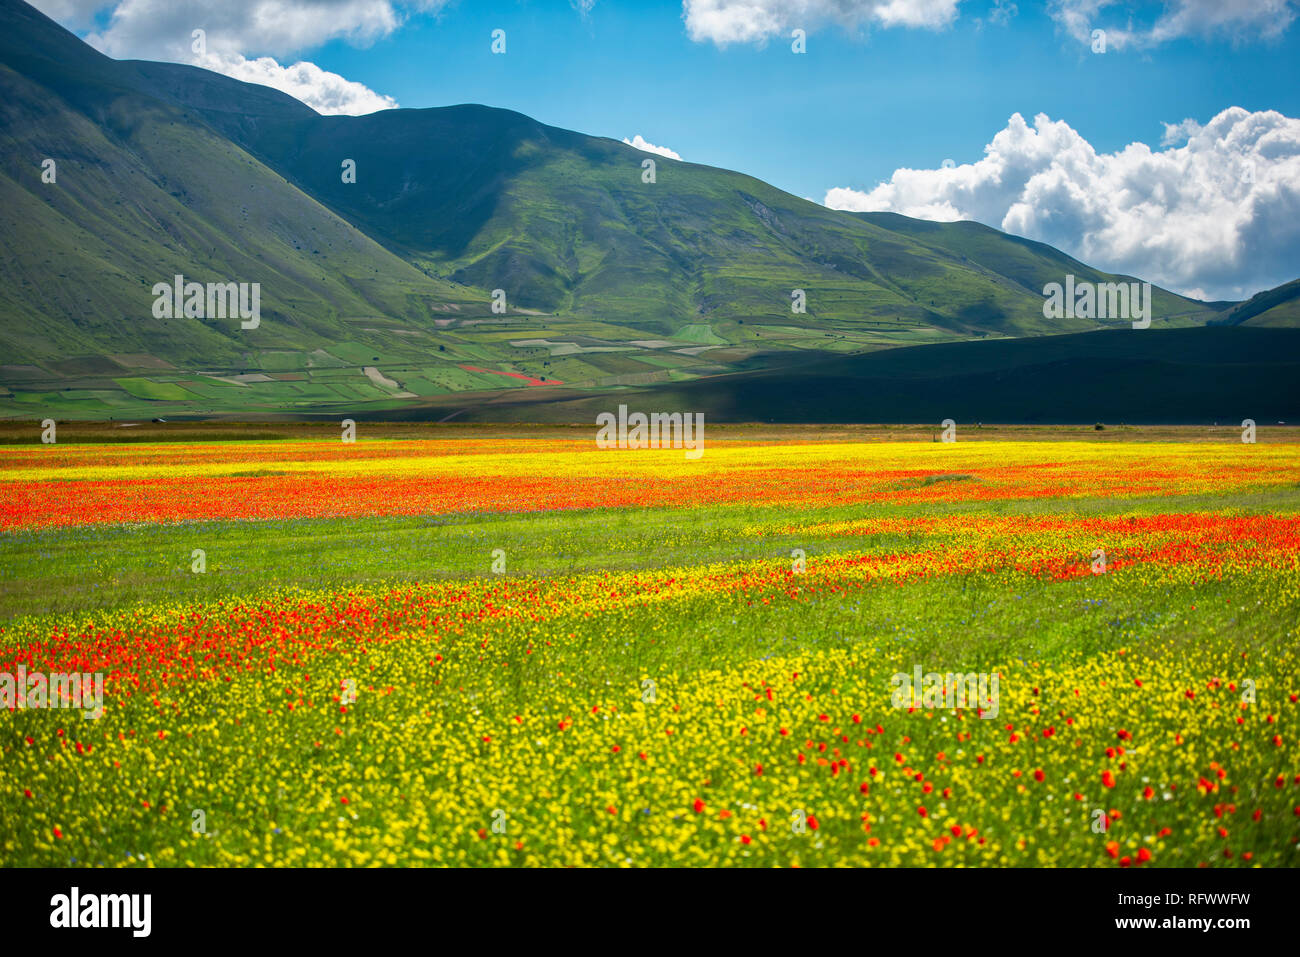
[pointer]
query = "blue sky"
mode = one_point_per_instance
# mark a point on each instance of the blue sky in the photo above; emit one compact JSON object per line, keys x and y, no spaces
{"x":846,"y":113}
{"x":990,"y":110}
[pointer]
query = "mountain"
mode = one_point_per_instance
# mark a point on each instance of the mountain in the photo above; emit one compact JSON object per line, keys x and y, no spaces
{"x":564,"y":223}
{"x":141,"y":193}
{"x":1030,"y":264}
{"x":1279,"y":306}
{"x":379,"y":293}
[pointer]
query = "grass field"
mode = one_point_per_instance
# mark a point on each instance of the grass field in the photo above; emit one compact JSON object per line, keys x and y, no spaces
{"x":502,"y":646}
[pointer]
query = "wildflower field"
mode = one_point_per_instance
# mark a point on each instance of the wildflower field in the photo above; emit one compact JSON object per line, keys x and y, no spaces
{"x":504,"y":649}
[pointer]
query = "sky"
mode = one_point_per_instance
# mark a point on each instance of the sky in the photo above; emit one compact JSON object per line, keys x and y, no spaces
{"x":1160,"y":140}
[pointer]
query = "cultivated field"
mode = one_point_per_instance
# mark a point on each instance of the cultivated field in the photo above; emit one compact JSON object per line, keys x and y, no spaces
{"x":492,"y":646}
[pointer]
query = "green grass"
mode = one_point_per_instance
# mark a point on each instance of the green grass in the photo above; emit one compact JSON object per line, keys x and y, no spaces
{"x":71,"y":569}
{"x":700,"y":334}
{"x":149,"y":389}
{"x":412,"y":755}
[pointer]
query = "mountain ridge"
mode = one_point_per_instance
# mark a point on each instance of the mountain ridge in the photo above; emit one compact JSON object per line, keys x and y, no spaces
{"x":609,"y":282}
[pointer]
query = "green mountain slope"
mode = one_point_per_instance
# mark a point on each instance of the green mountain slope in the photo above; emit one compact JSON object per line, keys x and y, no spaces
{"x":377,"y":293}
{"x":1277,"y":307}
{"x":564,"y":223}
{"x":142,"y":193}
{"x":1030,"y":264}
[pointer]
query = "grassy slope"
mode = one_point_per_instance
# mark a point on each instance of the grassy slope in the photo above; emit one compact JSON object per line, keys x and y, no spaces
{"x":1031,"y":264}
{"x":143,"y":193}
{"x":1272,"y":308}
{"x":563,"y":222}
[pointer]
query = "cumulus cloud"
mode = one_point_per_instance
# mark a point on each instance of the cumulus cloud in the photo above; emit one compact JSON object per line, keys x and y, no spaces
{"x":1176,"y":133}
{"x":323,"y":91}
{"x":165,"y":30}
{"x":1217,"y":216}
{"x":756,"y":21}
{"x":1236,"y":20}
{"x":639,"y":143}
{"x":162,"y":29}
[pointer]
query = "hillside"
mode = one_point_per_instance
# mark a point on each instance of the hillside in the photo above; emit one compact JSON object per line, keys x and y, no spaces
{"x":564,"y":224}
{"x":143,"y":193}
{"x":376,"y":295}
{"x":1275,"y":307}
{"x":1030,"y":264}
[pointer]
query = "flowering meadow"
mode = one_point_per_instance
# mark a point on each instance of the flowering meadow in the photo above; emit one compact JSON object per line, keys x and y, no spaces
{"x":474,"y":652}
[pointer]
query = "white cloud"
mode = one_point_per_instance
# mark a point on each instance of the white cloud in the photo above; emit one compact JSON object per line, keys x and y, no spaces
{"x":1002,"y":13}
{"x":163,"y":30}
{"x":639,"y":143}
{"x":1176,"y":133}
{"x":1236,"y":20}
{"x":323,"y":91}
{"x":1220,"y":214}
{"x":756,"y":21}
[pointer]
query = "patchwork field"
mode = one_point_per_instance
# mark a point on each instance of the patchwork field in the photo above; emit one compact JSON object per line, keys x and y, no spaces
{"x":507,"y":647}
